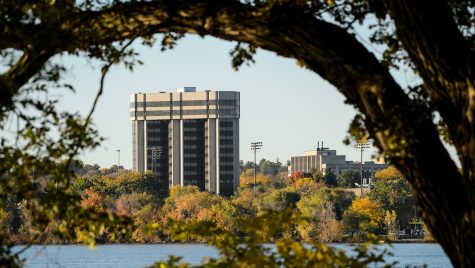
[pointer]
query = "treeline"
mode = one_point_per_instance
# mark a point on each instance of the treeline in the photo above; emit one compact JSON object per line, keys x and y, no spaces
{"x":332,"y":213}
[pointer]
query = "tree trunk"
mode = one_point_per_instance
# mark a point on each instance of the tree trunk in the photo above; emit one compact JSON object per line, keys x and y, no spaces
{"x":446,"y":63}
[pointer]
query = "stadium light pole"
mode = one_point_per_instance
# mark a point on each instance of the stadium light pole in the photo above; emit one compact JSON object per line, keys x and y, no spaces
{"x":362,"y":146}
{"x":254,"y":147}
{"x":156,"y":154}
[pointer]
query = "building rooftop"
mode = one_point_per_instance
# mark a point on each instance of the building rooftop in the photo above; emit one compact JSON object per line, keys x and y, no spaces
{"x":186,"y":89}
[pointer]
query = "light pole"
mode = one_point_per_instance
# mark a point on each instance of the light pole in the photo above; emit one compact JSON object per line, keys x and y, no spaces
{"x":118,"y":160}
{"x":156,"y":154}
{"x":362,"y":146}
{"x":254,"y":147}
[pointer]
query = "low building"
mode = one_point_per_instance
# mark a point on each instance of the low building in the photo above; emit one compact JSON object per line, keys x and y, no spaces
{"x":323,"y":160}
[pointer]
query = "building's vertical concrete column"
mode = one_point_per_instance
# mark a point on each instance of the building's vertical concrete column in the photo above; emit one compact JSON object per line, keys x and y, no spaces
{"x":298,"y":163}
{"x":134,"y":146}
{"x":319,"y":163}
{"x":296,"y":166}
{"x":182,"y":166}
{"x":133,"y":117}
{"x":292,"y":165}
{"x":315,"y":162}
{"x":217,"y":156}
{"x":236,"y":153}
{"x":306,"y":165}
{"x":212,"y":153}
{"x":144,"y":127}
{"x":176,"y":157}
{"x":140,"y":145}
{"x":145,"y":152}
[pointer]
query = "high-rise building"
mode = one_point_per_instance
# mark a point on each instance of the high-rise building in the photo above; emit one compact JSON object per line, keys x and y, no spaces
{"x":188,"y":137}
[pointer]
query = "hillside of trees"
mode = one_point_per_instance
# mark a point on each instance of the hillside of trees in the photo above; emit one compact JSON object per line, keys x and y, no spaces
{"x":332,"y":213}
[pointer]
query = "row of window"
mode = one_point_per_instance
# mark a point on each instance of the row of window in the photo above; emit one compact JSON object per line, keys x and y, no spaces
{"x":226,"y":150}
{"x":184,"y":103}
{"x":154,"y":138}
{"x":226,"y":166}
{"x":190,"y":146}
{"x":151,"y":131}
{"x":223,"y":124}
{"x":157,"y":123}
{"x":190,"y":129}
{"x":226,"y":133}
{"x":226,"y":128}
{"x":190,"y":155}
{"x":225,"y":145}
{"x":184,"y":112}
{"x":190,"y":172}
{"x":226,"y":159}
{"x":190,"y":138}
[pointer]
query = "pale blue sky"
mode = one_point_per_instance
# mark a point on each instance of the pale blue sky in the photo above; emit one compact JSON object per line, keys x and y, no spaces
{"x":286,"y":107}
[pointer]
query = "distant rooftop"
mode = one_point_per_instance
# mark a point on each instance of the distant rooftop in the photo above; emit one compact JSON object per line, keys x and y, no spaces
{"x":186,"y":89}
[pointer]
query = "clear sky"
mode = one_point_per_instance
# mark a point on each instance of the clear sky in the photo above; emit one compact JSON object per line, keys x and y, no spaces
{"x":286,"y":107}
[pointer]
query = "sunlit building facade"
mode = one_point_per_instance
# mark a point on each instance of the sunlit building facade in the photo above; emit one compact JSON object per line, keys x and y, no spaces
{"x":324,"y":159}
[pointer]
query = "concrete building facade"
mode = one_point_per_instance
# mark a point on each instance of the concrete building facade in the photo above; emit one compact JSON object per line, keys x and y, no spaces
{"x":323,"y":159}
{"x":188,"y":137}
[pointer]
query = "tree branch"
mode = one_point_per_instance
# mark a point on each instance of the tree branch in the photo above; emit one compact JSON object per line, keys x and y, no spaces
{"x":29,"y":64}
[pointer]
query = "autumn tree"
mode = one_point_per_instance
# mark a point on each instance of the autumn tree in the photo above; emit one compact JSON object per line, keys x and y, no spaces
{"x":434,"y":39}
{"x":189,"y":203}
{"x":305,"y":186}
{"x":363,"y":216}
{"x":270,"y":168}
{"x":392,"y":226}
{"x":393,"y":192}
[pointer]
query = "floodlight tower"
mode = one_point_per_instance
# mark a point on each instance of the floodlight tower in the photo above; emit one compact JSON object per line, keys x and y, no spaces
{"x":362,"y":146}
{"x":156,"y":154}
{"x":254,"y":147}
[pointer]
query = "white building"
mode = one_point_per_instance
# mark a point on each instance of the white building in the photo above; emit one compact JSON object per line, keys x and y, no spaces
{"x":323,"y":159}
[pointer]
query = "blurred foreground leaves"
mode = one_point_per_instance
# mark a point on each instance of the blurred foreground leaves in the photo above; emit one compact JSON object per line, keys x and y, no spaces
{"x":253,"y":250}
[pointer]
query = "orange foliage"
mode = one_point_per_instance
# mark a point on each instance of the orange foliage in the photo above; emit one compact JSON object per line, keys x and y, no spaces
{"x":248,"y":179}
{"x":205,"y":214}
{"x":188,"y":203}
{"x":120,"y":207}
{"x":174,"y":190}
{"x":371,"y":209}
{"x":245,"y":197}
{"x":296,"y":176}
{"x":306,"y":185}
{"x":92,"y":199}
{"x":390,"y":173}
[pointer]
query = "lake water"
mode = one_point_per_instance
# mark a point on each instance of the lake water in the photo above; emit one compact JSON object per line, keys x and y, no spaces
{"x":119,"y":256}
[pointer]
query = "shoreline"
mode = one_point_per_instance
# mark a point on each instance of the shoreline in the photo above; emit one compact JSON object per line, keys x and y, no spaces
{"x":402,"y":241}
